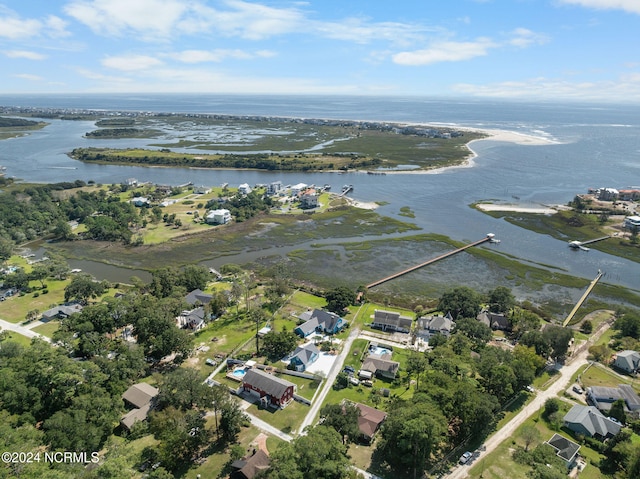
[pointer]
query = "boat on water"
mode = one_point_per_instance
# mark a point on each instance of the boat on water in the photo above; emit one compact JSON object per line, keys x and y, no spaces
{"x":327,"y":187}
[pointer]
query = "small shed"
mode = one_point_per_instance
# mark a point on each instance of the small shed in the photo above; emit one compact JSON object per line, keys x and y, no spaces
{"x":362,"y":374}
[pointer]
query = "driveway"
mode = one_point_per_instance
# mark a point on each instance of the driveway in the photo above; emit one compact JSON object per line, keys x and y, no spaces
{"x":16,"y":328}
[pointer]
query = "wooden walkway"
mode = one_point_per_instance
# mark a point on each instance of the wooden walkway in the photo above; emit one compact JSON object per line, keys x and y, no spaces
{"x":583,"y":299}
{"x":426,"y":263}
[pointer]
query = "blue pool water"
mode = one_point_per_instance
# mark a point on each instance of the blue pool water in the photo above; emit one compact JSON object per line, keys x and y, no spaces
{"x":379,"y":350}
{"x":239,"y":373}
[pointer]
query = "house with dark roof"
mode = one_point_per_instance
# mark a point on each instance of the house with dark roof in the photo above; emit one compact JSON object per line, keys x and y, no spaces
{"x":303,"y":357}
{"x":369,"y":421}
{"x":380,"y":366}
{"x":198,"y":297}
{"x":391,"y":321}
{"x":141,"y":397}
{"x":566,"y":449}
{"x":496,"y":321}
{"x":588,"y":421}
{"x":321,"y":321}
{"x":427,"y":326}
{"x":604,"y":397}
{"x":62,"y":311}
{"x":193,"y":320}
{"x":271,"y":390}
{"x":628,"y":361}
{"x":249,"y":467}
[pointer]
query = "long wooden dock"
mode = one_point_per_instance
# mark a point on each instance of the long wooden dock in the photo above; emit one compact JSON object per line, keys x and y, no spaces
{"x":489,"y":237}
{"x":582,"y":299}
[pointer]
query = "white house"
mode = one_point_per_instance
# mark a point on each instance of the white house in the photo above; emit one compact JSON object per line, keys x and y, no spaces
{"x":244,"y":189}
{"x":140,"y":201}
{"x":631,"y":222}
{"x":274,"y":188}
{"x":218,"y":217}
{"x":296,"y":189}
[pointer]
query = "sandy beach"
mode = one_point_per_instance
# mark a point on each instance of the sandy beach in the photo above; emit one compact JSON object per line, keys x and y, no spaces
{"x":543,"y":210}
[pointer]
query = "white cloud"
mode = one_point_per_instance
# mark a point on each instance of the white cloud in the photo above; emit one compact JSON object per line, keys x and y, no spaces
{"x":29,"y":77}
{"x":361,"y":31}
{"x":218,"y":55}
{"x":13,"y":27}
{"x":631,"y":6}
{"x":129,"y":63}
{"x":24,"y":54}
{"x":523,"y":37}
{"x":445,"y":51}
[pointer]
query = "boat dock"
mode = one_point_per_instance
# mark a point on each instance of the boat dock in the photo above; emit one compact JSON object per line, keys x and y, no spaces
{"x":581,"y":244}
{"x":582,"y":299}
{"x":346,"y":189}
{"x":489,"y":237}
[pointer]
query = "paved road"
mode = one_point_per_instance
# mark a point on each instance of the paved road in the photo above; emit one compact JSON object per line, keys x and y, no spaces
{"x":507,"y":431}
{"x":328,"y":383}
{"x":16,"y":328}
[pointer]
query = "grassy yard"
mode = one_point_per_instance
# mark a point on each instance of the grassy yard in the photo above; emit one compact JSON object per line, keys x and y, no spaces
{"x":15,"y":308}
{"x":599,"y":375}
{"x":18,"y":338}
{"x":287,"y":420}
{"x":47,"y":329}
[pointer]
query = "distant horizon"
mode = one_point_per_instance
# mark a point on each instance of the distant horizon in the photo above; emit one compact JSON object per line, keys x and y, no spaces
{"x":546,"y":50}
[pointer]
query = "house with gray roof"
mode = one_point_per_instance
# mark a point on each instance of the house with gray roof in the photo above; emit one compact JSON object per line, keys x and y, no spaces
{"x":603,"y":397}
{"x":496,"y":321}
{"x":628,"y":361}
{"x":193,"y":320}
{"x":588,"y":421}
{"x":391,"y":321}
{"x":319,"y":320}
{"x":62,"y":311}
{"x":566,"y":449}
{"x":427,"y":326}
{"x":271,"y":390}
{"x":198,"y":296}
{"x":141,"y":397}
{"x":303,"y":357}
{"x":380,"y":366}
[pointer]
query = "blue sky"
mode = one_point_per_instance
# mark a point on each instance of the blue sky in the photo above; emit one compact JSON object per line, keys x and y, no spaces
{"x":529,"y":49}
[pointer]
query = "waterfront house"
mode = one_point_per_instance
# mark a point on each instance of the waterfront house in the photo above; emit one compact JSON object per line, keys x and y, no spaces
{"x":631,"y":222}
{"x":588,"y":421}
{"x":607,"y":194}
{"x":272,"y":391}
{"x":140,"y":201}
{"x":218,"y":217}
{"x":198,"y":296}
{"x":308,"y":201}
{"x":496,"y":321}
{"x":201,"y":190}
{"x":321,"y":321}
{"x":391,"y":321}
{"x":62,"y":311}
{"x":274,"y":188}
{"x":303,"y":357}
{"x":193,"y":320}
{"x":141,"y":397}
{"x":244,"y":189}
{"x":628,"y":361}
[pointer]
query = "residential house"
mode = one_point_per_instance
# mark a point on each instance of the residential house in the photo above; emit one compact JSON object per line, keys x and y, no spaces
{"x":604,"y":397}
{"x":244,"y":189}
{"x":369,"y":421}
{"x":201,"y":190}
{"x":629,"y":195}
{"x":628,"y":361}
{"x":296,"y":189}
{"x":308,"y":201}
{"x":303,"y":357}
{"x":193,"y":320}
{"x":380,"y":366}
{"x":588,"y":421}
{"x":496,"y":321}
{"x":391,"y":321}
{"x":273,"y":391}
{"x":250,"y":467}
{"x":274,"y":188}
{"x":566,"y":449}
{"x":198,"y":296}
{"x":141,"y":397}
{"x":62,"y":311}
{"x":427,"y":326}
{"x":140,"y":201}
{"x":164,"y":189}
{"x":607,"y":194}
{"x":218,"y":217}
{"x":631,"y":222}
{"x":319,"y":320}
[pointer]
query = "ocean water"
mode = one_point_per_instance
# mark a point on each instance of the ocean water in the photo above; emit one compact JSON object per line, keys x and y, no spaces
{"x":595,"y":145}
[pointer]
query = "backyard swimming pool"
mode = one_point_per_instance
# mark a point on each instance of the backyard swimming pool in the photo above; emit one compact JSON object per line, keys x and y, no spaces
{"x":379,"y":350}
{"x":239,"y":372}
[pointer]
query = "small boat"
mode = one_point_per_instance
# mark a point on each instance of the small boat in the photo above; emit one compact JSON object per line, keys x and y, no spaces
{"x":327,"y":187}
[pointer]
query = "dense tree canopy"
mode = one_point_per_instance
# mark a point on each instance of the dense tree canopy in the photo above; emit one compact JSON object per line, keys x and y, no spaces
{"x":461,"y":302}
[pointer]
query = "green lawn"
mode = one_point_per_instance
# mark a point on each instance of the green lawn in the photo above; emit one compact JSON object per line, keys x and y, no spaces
{"x":287,"y":420}
{"x":47,"y":329}
{"x":15,"y":308}
{"x":18,"y":338}
{"x":599,"y":375}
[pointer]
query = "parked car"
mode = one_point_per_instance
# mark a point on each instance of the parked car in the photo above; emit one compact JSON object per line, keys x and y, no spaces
{"x":465,"y":457}
{"x":354,"y":381}
{"x":530,"y":389}
{"x":349,"y":369}
{"x":211,"y":362}
{"x":577,"y":389}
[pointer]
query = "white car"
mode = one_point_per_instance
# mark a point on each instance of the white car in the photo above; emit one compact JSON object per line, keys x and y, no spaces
{"x":465,"y":457}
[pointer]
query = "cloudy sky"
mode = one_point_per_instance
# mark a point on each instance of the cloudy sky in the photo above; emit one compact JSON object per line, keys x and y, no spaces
{"x":564,"y":49}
